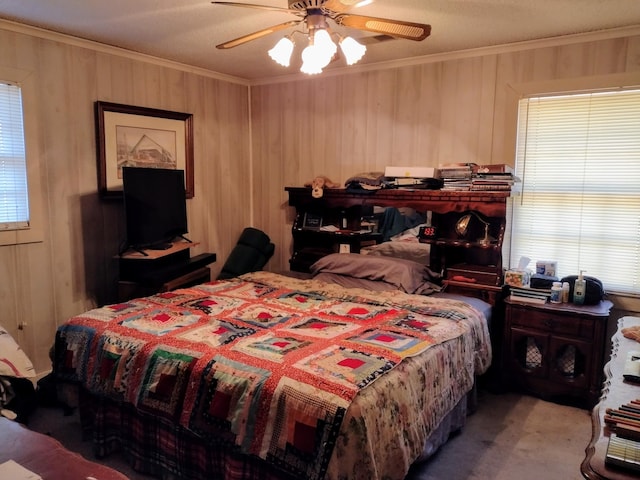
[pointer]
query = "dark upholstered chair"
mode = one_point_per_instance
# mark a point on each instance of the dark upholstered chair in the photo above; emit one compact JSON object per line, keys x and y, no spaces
{"x":251,"y":253}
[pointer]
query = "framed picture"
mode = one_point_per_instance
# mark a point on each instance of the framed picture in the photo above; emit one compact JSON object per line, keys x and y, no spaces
{"x":311,"y":221}
{"x":129,"y":136}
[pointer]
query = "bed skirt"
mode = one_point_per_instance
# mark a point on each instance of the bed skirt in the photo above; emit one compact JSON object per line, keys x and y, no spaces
{"x":158,"y":447}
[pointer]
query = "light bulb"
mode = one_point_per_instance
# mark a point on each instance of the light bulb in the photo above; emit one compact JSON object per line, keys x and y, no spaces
{"x":353,"y":50}
{"x":281,"y":52}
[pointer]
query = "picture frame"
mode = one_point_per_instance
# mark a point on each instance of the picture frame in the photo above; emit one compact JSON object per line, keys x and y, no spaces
{"x":311,"y":221}
{"x":141,"y":137}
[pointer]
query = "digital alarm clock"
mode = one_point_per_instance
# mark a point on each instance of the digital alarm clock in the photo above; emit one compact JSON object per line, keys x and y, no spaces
{"x":427,"y":232}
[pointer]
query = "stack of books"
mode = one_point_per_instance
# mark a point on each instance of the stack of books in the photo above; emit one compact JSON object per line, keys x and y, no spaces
{"x":456,"y":176}
{"x":492,"y":177}
{"x":530,"y":295}
{"x":623,"y":449}
{"x":625,"y":420}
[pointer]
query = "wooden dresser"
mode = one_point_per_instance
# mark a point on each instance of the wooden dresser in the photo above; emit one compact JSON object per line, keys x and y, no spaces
{"x":616,"y":391}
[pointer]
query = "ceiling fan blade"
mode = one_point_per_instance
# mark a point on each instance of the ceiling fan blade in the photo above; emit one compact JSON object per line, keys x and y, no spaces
{"x":256,"y":35}
{"x":374,"y":40}
{"x":343,"y":5}
{"x":393,"y":28}
{"x":261,"y":7}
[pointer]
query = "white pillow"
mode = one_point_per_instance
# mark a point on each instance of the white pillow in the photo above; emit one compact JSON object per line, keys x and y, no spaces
{"x":13,"y":361}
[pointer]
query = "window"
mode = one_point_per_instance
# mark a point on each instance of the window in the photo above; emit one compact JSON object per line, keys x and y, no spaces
{"x":578,"y":157}
{"x":14,"y":199}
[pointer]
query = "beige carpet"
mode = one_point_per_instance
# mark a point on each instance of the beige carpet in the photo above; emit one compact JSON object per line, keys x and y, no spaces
{"x":513,"y":437}
{"x":509,"y":437}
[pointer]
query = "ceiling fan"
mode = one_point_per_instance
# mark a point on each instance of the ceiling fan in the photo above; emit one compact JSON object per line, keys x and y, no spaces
{"x":313,"y":16}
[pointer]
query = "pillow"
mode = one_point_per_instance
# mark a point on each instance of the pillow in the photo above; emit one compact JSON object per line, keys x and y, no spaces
{"x":417,"y":252}
{"x":13,"y":361}
{"x":405,"y":275}
{"x":409,"y":235}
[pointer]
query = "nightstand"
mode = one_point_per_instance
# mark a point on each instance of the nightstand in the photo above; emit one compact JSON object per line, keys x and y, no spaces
{"x":555,"y":351}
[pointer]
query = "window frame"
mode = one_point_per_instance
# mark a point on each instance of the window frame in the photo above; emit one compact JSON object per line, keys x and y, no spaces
{"x":34,"y":232}
{"x":516,"y":92}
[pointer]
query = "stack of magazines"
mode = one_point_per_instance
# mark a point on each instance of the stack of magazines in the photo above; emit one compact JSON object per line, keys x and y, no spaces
{"x":530,"y":295}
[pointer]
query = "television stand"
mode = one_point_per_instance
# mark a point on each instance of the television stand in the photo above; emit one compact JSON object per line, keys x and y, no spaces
{"x":157,"y":246}
{"x":147,"y":272}
{"x":160,"y":246}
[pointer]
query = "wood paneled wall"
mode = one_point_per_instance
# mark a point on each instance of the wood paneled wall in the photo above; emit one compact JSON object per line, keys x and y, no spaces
{"x":457,"y":110}
{"x":73,"y":269}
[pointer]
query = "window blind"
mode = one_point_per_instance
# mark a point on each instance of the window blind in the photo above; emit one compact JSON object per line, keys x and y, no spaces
{"x":14,"y":198}
{"x":578,"y":157}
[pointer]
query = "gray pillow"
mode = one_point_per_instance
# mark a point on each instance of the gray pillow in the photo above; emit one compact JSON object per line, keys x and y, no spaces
{"x":417,"y":252}
{"x":405,"y":275}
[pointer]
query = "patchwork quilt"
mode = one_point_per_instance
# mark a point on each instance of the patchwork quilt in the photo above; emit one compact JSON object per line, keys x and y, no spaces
{"x":265,"y":363}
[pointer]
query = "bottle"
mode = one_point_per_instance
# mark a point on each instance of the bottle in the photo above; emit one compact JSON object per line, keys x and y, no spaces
{"x":565,"y":292}
{"x":343,"y":223}
{"x":556,"y":292}
{"x":579,"y":290}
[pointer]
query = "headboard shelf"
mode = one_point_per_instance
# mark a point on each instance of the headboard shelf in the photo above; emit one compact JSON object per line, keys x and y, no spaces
{"x":346,"y":209}
{"x":488,"y":203}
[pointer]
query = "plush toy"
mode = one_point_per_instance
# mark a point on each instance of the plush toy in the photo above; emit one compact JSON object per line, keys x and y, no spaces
{"x":318,"y":184}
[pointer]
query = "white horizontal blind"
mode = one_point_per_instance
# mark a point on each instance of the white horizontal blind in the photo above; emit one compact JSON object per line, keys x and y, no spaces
{"x":14,"y":198}
{"x":578,"y":157}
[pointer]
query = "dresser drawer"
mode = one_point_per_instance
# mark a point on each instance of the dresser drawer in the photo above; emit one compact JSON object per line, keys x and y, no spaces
{"x":552,"y":322}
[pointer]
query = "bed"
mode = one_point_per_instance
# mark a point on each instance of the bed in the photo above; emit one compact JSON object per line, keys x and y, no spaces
{"x":267,"y":376}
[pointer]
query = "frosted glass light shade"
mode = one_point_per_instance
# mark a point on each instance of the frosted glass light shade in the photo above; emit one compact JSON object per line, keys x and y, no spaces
{"x":324,"y":46}
{"x":281,"y":52}
{"x":312,"y":61}
{"x":353,"y":51}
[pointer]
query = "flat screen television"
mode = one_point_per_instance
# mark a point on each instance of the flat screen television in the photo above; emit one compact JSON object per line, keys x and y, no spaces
{"x":155,"y":207}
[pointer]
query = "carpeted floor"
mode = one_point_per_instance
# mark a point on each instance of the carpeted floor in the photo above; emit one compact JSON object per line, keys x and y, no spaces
{"x":513,"y":437}
{"x":509,"y":436}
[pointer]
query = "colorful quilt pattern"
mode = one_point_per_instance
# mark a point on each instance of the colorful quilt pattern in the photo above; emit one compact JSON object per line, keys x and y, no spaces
{"x":264,"y":363}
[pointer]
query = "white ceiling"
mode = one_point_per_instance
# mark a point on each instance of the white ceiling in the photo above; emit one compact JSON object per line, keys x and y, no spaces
{"x":187,"y":31}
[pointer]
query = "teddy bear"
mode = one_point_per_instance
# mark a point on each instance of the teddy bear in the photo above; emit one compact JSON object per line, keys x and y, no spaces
{"x":318,"y":184}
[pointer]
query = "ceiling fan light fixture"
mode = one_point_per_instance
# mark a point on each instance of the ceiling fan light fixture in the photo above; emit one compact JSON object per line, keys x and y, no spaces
{"x":281,"y":52}
{"x":352,"y":49}
{"x":312,"y":61}
{"x":313,"y":20}
{"x":324,"y":45}
{"x":318,"y":53}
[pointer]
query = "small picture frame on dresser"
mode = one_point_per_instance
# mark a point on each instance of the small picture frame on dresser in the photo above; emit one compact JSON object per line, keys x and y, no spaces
{"x":311,"y":221}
